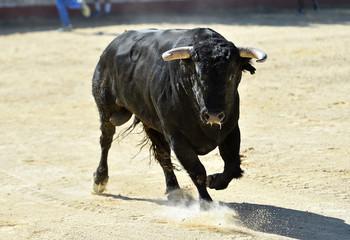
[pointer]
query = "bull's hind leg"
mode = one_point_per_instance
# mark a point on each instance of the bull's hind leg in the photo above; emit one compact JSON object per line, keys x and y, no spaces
{"x":100,"y":179}
{"x":161,"y":152}
{"x":119,"y":116}
{"x":111,"y":115}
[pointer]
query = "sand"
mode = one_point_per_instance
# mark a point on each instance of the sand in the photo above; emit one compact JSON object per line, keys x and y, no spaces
{"x":295,"y":124}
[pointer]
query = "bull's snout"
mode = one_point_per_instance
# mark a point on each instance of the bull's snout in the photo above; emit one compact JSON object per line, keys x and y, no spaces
{"x":213,"y":117}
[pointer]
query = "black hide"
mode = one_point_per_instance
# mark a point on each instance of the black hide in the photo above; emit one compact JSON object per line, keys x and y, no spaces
{"x":173,"y":100}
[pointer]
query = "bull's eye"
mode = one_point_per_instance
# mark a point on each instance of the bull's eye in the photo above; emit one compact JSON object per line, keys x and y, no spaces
{"x":232,"y":78}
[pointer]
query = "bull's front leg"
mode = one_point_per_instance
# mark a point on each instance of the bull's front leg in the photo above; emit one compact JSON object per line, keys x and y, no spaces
{"x":229,"y":151}
{"x":190,"y":161}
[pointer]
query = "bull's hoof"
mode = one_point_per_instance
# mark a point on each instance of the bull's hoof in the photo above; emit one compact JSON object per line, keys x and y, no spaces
{"x":216,"y":182}
{"x":180,"y":197}
{"x":205,"y":205}
{"x":99,"y":185}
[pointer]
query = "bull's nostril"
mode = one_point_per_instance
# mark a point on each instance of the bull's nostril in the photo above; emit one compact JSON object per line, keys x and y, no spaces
{"x":221,"y":116}
{"x":206,"y":115}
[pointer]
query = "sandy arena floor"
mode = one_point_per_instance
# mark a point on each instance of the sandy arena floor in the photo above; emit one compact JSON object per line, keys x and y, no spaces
{"x":295,"y":124}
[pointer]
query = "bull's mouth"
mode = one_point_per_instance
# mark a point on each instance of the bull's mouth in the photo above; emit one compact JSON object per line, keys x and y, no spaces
{"x":214,"y":123}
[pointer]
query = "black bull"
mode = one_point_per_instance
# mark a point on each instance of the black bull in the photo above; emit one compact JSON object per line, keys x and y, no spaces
{"x":182,"y":86}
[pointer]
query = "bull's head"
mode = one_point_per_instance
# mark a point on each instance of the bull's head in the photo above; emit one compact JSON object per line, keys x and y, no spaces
{"x":218,"y":71}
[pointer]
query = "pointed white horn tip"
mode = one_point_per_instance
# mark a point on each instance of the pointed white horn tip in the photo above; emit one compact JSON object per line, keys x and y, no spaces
{"x":262,"y":59}
{"x":252,"y":52}
{"x":166,"y":56}
{"x":169,"y":55}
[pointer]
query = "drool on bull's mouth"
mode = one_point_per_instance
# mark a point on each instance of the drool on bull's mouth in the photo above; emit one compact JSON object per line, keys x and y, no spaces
{"x":214,"y":123}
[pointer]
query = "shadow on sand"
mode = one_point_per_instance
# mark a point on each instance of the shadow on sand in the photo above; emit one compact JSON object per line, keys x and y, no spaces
{"x":275,"y":220}
{"x":290,"y":223}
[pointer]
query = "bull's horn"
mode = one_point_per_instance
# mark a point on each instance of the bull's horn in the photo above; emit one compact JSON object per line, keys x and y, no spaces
{"x":250,"y":52}
{"x":177,"y":53}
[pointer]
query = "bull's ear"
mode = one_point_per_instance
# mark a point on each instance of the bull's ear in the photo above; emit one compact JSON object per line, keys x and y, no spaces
{"x":177,"y":53}
{"x":248,"y":67}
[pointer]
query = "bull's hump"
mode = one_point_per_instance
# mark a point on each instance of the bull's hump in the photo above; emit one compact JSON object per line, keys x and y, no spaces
{"x":148,"y":30}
